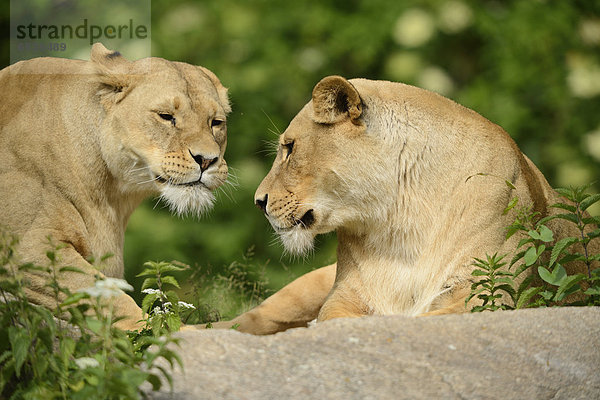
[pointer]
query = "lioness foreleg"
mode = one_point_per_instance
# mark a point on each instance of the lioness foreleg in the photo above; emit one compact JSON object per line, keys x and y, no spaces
{"x":39,"y":293}
{"x":294,"y":306}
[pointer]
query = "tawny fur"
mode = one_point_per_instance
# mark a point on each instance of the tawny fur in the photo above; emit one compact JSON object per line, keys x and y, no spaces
{"x":414,"y":185}
{"x":82,"y":143}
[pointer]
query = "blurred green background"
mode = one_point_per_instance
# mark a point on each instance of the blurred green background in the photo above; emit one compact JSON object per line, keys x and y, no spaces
{"x":533,"y":67}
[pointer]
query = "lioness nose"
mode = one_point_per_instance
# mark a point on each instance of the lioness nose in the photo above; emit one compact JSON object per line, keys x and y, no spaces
{"x":204,"y":162}
{"x":262,"y":203}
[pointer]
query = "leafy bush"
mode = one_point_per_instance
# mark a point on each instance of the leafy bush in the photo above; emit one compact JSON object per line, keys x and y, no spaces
{"x":543,"y":260}
{"x":73,"y":350}
{"x":227,"y":291}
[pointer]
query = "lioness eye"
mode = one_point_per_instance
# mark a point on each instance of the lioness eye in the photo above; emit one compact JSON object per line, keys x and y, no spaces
{"x":216,"y":122}
{"x":167,"y":117}
{"x":289,"y":147}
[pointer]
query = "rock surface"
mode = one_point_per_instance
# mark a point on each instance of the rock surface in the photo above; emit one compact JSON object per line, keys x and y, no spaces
{"x":529,"y":354}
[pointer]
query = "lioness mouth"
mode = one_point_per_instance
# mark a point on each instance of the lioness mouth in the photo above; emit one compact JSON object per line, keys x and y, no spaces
{"x":168,"y":181}
{"x":307,"y":219}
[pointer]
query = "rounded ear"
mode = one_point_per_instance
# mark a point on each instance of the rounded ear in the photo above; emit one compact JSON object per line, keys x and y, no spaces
{"x":221,"y":90}
{"x":112,"y":73}
{"x":100,"y":55}
{"x":334,"y":99}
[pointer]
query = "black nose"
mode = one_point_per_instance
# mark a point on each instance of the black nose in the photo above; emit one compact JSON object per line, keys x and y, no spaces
{"x":262,"y":203}
{"x":204,"y":162}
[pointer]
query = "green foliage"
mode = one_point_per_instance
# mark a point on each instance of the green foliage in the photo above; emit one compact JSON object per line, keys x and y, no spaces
{"x":72,"y":351}
{"x":225,"y":292}
{"x":163,"y":306}
{"x":492,"y":282}
{"x":542,"y":260}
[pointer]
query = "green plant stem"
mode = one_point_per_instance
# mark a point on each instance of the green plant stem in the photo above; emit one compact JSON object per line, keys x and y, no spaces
{"x":584,"y":243}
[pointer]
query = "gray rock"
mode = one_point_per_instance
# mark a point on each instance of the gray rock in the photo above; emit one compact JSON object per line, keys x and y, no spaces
{"x":529,"y":354}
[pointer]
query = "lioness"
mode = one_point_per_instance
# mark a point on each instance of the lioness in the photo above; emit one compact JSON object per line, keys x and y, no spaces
{"x":82,"y":143}
{"x":414,"y":186}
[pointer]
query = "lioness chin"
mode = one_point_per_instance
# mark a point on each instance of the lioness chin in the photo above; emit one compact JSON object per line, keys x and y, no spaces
{"x":414,"y":186}
{"x":82,"y":143}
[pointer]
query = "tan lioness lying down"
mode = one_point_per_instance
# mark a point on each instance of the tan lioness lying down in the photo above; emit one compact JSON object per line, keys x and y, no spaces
{"x":82,"y":143}
{"x":396,"y":171}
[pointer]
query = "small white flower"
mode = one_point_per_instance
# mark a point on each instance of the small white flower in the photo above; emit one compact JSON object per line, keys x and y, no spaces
{"x":186,"y":305}
{"x":168,"y":303}
{"x":114,"y":283}
{"x":108,"y":287}
{"x":86,"y":362}
{"x":92,"y":291}
{"x":157,"y":310}
{"x":151,"y":291}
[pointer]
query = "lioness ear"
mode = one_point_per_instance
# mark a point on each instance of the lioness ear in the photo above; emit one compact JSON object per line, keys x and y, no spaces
{"x":221,"y":90}
{"x":334,"y":99}
{"x":112,"y":73}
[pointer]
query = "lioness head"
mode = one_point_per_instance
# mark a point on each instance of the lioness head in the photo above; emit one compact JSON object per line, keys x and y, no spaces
{"x":164,"y":130}
{"x":324,"y":176}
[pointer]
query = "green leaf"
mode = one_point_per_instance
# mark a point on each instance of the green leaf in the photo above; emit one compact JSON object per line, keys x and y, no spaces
{"x":479,"y":272}
{"x":73,"y":299}
{"x":106,"y":257}
{"x":93,"y":324}
{"x":547,"y":295}
{"x":510,"y":205}
{"x":591,"y":220}
{"x":530,"y":256}
{"x":568,"y":193}
{"x":170,"y":268}
{"x":568,"y":217}
{"x":540,"y":250}
{"x":148,"y":301}
{"x":71,"y":269}
{"x":593,"y":291}
{"x":147,"y":271}
{"x":585,"y":204}
{"x":67,"y":348}
{"x":555,"y":277}
{"x":545,"y":274}
{"x":571,"y":257}
{"x":173,"y":321}
{"x":546,"y":234}
{"x":508,"y":289}
{"x":564,"y":206}
{"x":594,"y":234}
{"x":155,"y":381}
{"x":473,"y":294}
{"x":517,"y":257}
{"x":149,"y":283}
{"x":511,"y":230}
{"x":505,"y":280}
{"x":559,"y":247}
{"x":51,"y":255}
{"x":524,"y":241}
{"x":170,"y":280}
{"x":526,"y":296}
{"x":534,"y":235}
{"x":525,"y":284}
{"x":19,"y":342}
{"x":569,"y":285}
